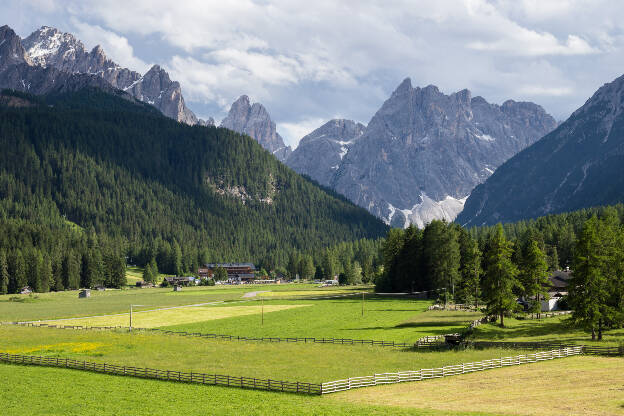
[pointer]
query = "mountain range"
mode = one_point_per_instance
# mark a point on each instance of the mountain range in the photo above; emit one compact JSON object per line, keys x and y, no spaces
{"x":579,"y":165}
{"x":421,"y":154}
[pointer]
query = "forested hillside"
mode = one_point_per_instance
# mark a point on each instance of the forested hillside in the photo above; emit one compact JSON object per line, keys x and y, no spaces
{"x":157,"y":188}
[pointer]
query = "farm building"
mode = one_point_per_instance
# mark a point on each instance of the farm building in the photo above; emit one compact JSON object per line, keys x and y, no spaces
{"x":237,"y":272}
{"x":180,"y":280}
{"x":559,"y":281}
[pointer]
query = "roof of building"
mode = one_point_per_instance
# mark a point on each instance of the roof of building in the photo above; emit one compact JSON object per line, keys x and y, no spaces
{"x":177,"y":278}
{"x":227,"y":265}
{"x":560,"y":279}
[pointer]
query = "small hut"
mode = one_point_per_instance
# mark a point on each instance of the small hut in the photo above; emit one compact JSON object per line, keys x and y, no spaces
{"x":177,"y":288}
{"x":84,"y":293}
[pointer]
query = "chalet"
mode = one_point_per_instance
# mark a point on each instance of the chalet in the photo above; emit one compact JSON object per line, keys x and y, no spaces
{"x":237,"y":272}
{"x":559,"y":281}
{"x":180,"y":280}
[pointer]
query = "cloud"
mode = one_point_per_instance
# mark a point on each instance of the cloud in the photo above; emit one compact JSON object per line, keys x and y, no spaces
{"x":309,"y":61}
{"x":115,"y":46}
{"x":293,"y":132}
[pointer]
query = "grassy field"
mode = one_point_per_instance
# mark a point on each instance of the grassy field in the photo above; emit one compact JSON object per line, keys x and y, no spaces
{"x":549,"y":329}
{"x":578,"y":385}
{"x":385,"y":318}
{"x":575,"y":386}
{"x":391,"y":319}
{"x":297,"y":362}
{"x":176,"y":316}
{"x":54,"y":305}
{"x":79,"y":393}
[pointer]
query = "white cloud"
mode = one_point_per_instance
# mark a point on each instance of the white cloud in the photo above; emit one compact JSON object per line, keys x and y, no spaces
{"x":115,"y":46}
{"x":310,"y":60}
{"x":540,"y":90}
{"x":293,"y":132}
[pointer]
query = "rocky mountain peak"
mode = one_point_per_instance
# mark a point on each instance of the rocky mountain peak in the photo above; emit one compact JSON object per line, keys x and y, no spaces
{"x":255,"y":121}
{"x":321,"y":152}
{"x":421,"y":154}
{"x":11,"y":50}
{"x":49,"y":47}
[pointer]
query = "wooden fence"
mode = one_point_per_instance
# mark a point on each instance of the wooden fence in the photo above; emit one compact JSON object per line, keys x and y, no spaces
{"x":540,"y":345}
{"x":422,"y":343}
{"x":453,"y":307}
{"x":168,"y":375}
{"x":450,"y":370}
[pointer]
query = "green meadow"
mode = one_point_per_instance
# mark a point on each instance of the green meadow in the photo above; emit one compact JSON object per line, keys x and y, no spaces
{"x":555,"y":329}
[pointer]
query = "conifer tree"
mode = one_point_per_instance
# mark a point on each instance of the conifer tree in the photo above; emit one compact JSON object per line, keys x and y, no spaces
{"x":148,"y":275}
{"x":470,"y":269}
{"x":500,"y":277}
{"x":534,"y":276}
{"x":46,"y":275}
{"x":588,"y":286}
{"x":4,"y":273}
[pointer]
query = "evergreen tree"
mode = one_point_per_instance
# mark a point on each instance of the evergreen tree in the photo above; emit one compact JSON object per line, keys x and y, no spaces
{"x":176,"y":259}
{"x":306,"y":267}
{"x":588,"y":286}
{"x":154,"y":270}
{"x":470,"y":269}
{"x":17,"y":273}
{"x":46,"y":275}
{"x":500,"y":277}
{"x":4,"y":273}
{"x":534,"y":276}
{"x":220,"y":274}
{"x":148,"y":275}
{"x":441,"y":255}
{"x":329,"y":264}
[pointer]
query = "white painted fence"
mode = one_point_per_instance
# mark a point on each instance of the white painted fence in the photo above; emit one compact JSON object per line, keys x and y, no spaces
{"x":449,"y":370}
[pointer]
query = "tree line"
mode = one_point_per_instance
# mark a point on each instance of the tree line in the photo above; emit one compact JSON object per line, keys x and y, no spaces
{"x":499,"y":265}
{"x":46,"y":258}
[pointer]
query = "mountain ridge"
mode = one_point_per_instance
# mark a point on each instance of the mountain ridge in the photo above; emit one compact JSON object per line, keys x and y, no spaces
{"x":578,"y":165}
{"x":424,"y":151}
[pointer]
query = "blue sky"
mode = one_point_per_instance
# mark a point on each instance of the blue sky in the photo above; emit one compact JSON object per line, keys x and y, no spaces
{"x":309,"y":62}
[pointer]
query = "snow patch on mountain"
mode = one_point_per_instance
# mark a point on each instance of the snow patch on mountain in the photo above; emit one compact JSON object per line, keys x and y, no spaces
{"x":428,"y":210}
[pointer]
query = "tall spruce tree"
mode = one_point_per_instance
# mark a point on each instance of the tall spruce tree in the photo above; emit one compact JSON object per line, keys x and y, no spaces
{"x":470,"y":269}
{"x":500,"y":277}
{"x":534,"y":277}
{"x":588,"y":287}
{"x":4,"y":273}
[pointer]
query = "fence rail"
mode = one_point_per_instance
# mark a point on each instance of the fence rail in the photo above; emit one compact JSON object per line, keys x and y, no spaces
{"x":453,"y":307}
{"x":587,"y":349}
{"x":421,"y":343}
{"x":168,"y":375}
{"x":449,"y":370}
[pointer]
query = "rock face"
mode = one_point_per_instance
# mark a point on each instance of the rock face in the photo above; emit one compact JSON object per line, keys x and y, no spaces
{"x":423,"y":152}
{"x":54,"y":56}
{"x":320,"y":153}
{"x":254,"y":120}
{"x":579,"y":165}
{"x":18,"y":72}
{"x":157,"y":89}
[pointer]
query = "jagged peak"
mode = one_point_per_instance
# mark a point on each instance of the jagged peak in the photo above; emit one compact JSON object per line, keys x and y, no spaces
{"x":464,"y":95}
{"x":405,"y":85}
